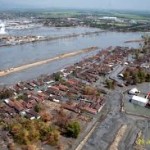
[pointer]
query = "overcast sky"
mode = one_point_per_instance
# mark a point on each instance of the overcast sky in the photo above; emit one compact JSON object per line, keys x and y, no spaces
{"x":98,"y":4}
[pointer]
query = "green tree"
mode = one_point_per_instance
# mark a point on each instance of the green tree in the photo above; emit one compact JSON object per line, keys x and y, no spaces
{"x":73,"y":129}
{"x":57,"y":76}
{"x":135,"y":79}
{"x":141,"y":74}
{"x":38,"y":108}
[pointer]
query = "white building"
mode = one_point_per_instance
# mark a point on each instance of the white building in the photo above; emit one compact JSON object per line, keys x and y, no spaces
{"x":134,"y":91}
{"x":112,"y":18}
{"x":2,"y":28}
{"x":141,"y":101}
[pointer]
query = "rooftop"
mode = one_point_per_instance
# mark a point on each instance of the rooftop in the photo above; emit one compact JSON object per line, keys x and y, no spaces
{"x":140,"y":99}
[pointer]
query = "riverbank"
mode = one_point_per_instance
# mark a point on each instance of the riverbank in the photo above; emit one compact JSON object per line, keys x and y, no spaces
{"x":134,"y":41}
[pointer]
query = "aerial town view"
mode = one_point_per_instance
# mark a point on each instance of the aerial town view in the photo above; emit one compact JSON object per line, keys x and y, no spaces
{"x":75,"y":75}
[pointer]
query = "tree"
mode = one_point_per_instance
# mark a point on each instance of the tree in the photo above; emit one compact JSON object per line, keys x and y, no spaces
{"x":73,"y":129}
{"x":110,"y":84}
{"x":57,"y":76}
{"x":141,"y":74}
{"x":135,"y":79}
{"x":62,"y":120}
{"x":126,"y":75}
{"x":6,"y":93}
{"x":147,"y":78}
{"x":38,"y":108}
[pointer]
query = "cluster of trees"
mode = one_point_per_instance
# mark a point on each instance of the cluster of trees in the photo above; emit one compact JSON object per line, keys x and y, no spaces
{"x":135,"y":76}
{"x":30,"y":132}
{"x":143,"y":53}
{"x":27,"y":132}
{"x":5,"y":93}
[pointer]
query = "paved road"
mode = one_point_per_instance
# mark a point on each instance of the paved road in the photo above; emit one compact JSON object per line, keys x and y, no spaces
{"x":114,"y":74}
{"x":105,"y":133}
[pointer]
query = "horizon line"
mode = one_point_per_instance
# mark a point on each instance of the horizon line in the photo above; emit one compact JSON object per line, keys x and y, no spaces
{"x":71,"y":8}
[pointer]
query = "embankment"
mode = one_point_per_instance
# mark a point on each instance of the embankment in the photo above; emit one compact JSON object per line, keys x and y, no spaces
{"x":134,"y":41}
{"x":61,"y":56}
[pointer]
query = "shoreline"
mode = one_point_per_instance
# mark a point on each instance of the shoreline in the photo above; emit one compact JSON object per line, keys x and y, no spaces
{"x":34,"y":64}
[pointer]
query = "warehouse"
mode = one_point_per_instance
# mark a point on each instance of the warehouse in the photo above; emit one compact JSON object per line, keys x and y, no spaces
{"x":141,"y":101}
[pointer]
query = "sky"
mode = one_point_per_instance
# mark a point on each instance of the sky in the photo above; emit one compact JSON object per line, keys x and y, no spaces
{"x":92,"y":4}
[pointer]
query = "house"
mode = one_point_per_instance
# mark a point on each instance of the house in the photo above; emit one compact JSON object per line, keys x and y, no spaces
{"x":72,"y":82}
{"x":53,"y":90}
{"x":14,"y":104}
{"x":90,"y":110}
{"x":31,"y":103}
{"x":141,"y":101}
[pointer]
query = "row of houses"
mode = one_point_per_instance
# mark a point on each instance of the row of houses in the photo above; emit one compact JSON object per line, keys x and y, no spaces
{"x":103,"y":63}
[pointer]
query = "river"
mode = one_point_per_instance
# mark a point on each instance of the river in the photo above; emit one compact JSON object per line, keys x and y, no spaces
{"x":27,"y":53}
